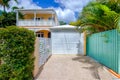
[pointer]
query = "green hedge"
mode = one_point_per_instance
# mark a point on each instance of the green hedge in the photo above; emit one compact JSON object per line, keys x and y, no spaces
{"x":16,"y":53}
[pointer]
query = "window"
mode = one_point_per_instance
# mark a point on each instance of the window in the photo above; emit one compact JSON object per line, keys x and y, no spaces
{"x":40,"y":18}
{"x":50,"y":18}
{"x":40,"y":34}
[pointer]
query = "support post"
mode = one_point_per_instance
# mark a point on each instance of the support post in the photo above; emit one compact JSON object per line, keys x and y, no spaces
{"x":35,"y":17}
{"x":85,"y":44}
{"x":52,"y":19}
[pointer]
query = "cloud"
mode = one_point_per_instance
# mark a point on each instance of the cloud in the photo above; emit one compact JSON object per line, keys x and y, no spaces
{"x":27,"y":4}
{"x":66,"y":15}
{"x":75,"y":5}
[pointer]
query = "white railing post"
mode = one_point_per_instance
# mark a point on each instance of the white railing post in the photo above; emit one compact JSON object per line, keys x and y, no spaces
{"x":52,"y":18}
{"x":35,"y":17}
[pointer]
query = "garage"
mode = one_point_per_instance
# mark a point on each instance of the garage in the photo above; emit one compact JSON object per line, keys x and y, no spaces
{"x":66,"y":40}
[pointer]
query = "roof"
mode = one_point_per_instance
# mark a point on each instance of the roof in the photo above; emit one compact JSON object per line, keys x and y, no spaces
{"x":37,"y":10}
{"x":63,"y":27}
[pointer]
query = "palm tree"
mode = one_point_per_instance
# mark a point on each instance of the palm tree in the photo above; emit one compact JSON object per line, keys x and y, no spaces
{"x":97,"y":17}
{"x":112,"y":4}
{"x":5,"y":4}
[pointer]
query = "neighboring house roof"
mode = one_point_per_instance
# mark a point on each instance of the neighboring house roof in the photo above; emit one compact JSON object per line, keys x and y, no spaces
{"x":63,"y":27}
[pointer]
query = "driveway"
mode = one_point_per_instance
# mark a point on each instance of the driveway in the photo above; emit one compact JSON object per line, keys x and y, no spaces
{"x":73,"y":67}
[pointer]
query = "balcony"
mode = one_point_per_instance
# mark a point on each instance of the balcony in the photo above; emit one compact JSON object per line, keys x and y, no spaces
{"x":36,"y":23}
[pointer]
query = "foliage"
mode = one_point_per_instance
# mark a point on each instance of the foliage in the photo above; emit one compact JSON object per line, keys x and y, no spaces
{"x":75,"y":23}
{"x":112,"y":4}
{"x":16,"y":53}
{"x":5,"y":4}
{"x":8,"y":19}
{"x":97,"y":17}
{"x":62,"y":22}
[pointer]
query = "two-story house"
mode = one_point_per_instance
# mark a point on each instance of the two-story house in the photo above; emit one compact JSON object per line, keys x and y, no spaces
{"x":38,"y":20}
{"x":64,"y":38}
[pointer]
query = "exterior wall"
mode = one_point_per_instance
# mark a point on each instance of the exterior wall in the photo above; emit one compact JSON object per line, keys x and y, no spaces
{"x":31,"y":16}
{"x":36,"y":55}
{"x":104,"y":47}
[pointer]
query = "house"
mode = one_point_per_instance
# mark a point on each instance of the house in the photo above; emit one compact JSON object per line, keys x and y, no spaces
{"x":38,"y":20}
{"x":44,"y":22}
{"x":52,"y":37}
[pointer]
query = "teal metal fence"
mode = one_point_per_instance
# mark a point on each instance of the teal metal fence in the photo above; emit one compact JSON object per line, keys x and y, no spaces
{"x":105,"y":48}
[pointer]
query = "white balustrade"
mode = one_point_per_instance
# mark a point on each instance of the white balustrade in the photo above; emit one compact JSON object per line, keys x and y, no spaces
{"x":36,"y":23}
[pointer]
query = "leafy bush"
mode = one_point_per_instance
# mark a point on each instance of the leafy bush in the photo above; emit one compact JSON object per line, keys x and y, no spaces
{"x":16,"y":53}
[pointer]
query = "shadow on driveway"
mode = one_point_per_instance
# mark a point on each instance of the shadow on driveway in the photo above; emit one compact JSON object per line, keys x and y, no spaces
{"x":94,"y":65}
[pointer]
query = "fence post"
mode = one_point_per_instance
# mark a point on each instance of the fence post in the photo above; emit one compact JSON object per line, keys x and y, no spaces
{"x":36,"y":55}
{"x":84,"y":43}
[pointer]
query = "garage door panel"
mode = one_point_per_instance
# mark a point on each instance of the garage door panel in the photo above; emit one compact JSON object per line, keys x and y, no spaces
{"x":65,"y":42}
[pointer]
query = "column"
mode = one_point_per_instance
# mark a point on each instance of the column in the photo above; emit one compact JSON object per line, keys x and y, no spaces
{"x":52,"y":19}
{"x":35,"y":17}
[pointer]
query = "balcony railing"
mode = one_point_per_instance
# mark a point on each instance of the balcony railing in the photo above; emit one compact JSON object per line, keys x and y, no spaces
{"x":36,"y":23}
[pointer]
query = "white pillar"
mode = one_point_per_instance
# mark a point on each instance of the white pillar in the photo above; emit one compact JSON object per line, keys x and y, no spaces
{"x":35,"y":17}
{"x":52,"y":19}
{"x":56,"y":22}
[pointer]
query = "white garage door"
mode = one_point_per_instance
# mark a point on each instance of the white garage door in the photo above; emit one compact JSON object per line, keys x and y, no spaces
{"x":65,"y":42}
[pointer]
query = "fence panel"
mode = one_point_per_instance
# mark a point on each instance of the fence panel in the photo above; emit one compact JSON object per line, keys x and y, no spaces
{"x":44,"y":50}
{"x":104,"y":47}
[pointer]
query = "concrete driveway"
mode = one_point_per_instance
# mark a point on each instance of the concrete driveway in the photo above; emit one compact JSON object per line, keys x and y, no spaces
{"x":72,"y":67}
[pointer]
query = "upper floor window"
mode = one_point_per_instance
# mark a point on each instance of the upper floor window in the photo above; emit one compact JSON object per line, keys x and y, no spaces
{"x":39,"y":18}
{"x":50,"y":18}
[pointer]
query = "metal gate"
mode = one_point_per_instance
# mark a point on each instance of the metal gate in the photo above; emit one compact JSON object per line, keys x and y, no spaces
{"x":44,"y":50}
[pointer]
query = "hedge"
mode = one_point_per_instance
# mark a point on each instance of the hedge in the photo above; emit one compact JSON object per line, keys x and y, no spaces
{"x":16,"y":53}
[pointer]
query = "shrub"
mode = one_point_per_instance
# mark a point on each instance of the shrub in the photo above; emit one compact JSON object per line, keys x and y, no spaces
{"x":16,"y":53}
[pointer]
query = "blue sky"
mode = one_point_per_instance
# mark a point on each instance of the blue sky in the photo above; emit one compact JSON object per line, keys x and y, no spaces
{"x":67,"y":10}
{"x":46,"y":3}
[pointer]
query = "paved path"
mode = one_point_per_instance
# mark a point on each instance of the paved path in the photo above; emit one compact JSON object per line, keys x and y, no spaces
{"x":71,"y":67}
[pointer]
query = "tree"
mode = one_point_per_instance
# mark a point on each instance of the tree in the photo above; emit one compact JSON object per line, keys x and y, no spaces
{"x":77,"y":23}
{"x":112,"y":4}
{"x":97,"y":17}
{"x":7,"y":19}
{"x":5,"y":4}
{"x":62,"y":22}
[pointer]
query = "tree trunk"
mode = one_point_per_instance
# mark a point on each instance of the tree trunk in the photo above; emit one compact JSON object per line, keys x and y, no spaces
{"x":4,"y":8}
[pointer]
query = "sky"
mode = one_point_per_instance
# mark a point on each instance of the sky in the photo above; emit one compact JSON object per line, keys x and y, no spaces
{"x":67,"y":10}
